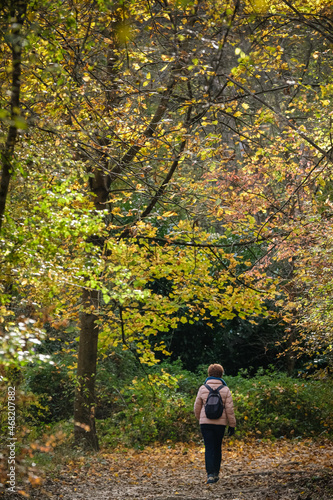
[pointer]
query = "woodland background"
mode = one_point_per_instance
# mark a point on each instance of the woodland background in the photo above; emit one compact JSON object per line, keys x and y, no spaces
{"x":165,"y":202}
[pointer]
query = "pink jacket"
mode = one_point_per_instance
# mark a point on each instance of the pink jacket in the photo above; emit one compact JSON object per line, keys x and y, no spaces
{"x":228,"y":415}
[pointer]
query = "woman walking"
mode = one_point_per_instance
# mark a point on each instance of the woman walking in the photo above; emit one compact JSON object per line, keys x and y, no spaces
{"x":213,"y":429}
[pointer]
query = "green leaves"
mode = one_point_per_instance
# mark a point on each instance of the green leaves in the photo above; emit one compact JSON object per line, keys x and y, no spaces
{"x":18,"y":346}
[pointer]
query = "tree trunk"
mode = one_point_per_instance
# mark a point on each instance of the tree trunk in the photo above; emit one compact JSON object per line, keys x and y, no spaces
{"x":17,"y":15}
{"x":85,"y":434}
{"x":290,"y":357}
{"x":84,"y":407}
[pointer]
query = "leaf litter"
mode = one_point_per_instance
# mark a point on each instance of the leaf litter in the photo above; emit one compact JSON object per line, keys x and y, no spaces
{"x":251,"y":470}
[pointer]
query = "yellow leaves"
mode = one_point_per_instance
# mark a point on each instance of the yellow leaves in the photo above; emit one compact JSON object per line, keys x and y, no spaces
{"x":240,"y":53}
{"x":166,"y":215}
{"x":260,"y":6}
{"x":116,"y":210}
{"x":130,"y":268}
{"x":31,"y":15}
{"x":124,"y":32}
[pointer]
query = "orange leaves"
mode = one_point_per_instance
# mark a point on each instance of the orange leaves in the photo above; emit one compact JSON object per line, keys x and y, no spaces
{"x":272,"y":470}
{"x":35,"y":480}
{"x":82,"y":426}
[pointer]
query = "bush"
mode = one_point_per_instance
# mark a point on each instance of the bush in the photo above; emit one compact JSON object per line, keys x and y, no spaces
{"x":272,"y":404}
{"x":54,"y":388}
{"x":136,"y":410}
{"x":268,"y":405}
{"x":153,"y":409}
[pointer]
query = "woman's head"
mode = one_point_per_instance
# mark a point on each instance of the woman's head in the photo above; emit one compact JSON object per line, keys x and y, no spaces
{"x":215,"y":371}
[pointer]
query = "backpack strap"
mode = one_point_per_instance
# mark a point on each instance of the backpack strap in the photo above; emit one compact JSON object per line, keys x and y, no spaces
{"x":211,"y":389}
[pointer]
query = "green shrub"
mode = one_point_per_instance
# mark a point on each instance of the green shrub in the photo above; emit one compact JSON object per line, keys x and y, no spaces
{"x":268,"y":405}
{"x":54,"y":387}
{"x":273,"y":404}
{"x":157,"y":404}
{"x":153,"y":409}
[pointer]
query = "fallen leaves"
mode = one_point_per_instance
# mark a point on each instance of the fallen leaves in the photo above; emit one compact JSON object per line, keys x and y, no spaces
{"x":252,"y":470}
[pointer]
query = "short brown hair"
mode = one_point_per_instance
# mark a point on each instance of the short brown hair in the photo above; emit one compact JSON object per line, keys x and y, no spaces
{"x":215,"y":371}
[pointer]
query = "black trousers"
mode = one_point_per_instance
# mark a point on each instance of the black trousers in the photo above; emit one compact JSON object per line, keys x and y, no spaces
{"x":213,"y":435}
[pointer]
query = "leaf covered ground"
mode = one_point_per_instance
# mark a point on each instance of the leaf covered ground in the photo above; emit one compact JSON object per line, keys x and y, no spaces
{"x":283,"y":470}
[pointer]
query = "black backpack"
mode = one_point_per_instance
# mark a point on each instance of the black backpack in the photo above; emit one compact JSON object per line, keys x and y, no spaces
{"x":214,"y":403}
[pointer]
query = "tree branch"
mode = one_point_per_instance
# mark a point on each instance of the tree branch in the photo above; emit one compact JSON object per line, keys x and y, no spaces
{"x":164,"y":184}
{"x":169,"y":241}
{"x":288,"y":123}
{"x":149,"y":132}
{"x":312,"y":25}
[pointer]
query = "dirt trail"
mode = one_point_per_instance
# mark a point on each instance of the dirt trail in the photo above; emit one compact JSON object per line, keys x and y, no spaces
{"x":283,"y":470}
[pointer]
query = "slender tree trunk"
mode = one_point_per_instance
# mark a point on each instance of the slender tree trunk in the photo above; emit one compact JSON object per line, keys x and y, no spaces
{"x":290,"y":358}
{"x":17,"y":14}
{"x":292,"y":334}
{"x":84,"y":406}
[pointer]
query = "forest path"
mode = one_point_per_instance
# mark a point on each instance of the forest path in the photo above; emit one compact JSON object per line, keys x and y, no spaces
{"x":255,"y":470}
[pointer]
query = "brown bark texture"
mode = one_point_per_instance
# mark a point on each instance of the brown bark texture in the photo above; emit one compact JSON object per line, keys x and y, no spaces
{"x":84,"y":407}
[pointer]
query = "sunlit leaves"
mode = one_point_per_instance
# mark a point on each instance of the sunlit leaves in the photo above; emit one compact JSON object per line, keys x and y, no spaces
{"x":155,"y":94}
{"x":18,"y":345}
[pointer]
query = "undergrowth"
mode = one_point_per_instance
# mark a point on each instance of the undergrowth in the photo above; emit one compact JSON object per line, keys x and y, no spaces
{"x":269,"y":405}
{"x":157,"y":405}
